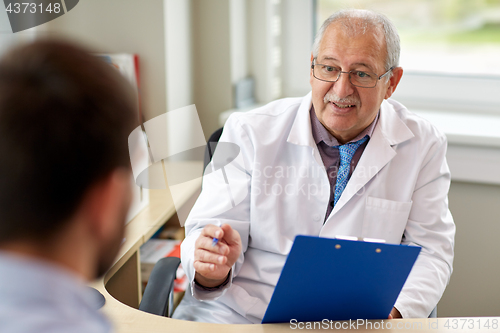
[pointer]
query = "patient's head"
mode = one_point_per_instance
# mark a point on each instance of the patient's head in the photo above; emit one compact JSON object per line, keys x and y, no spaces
{"x":65,"y":116}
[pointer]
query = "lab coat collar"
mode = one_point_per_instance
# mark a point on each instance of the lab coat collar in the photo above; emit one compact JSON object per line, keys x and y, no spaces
{"x":389,"y":131}
{"x":389,"y":125}
{"x":301,"y":131}
{"x":392,"y":128}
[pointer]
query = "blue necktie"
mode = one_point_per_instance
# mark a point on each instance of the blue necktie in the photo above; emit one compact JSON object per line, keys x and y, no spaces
{"x":346,"y":153}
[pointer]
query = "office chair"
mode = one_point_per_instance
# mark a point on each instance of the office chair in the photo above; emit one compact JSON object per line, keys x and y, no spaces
{"x":158,"y":296}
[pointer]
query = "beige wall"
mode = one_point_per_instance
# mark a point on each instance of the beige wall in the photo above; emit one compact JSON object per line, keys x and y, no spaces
{"x":124,"y":26}
{"x":212,"y":61}
{"x":474,"y":288}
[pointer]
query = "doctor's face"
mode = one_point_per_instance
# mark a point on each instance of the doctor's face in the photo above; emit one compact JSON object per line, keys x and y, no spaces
{"x":346,"y":110}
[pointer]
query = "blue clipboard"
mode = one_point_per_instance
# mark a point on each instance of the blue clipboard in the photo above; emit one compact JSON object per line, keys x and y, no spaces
{"x":335,"y":279}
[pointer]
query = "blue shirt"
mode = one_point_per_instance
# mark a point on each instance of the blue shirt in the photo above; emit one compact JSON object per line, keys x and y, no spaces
{"x":327,"y":143}
{"x":41,"y":297}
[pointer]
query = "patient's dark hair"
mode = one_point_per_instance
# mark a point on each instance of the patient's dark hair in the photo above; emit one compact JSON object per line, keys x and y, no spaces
{"x":65,"y":116}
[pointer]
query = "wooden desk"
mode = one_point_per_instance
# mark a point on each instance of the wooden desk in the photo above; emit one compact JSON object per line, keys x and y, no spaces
{"x":123,"y":282}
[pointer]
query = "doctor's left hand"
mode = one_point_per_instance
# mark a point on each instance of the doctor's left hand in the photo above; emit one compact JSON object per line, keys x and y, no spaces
{"x":395,"y":314}
{"x":213,"y":263}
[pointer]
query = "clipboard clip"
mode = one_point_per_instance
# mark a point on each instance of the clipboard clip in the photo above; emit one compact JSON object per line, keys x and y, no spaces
{"x":361,"y":239}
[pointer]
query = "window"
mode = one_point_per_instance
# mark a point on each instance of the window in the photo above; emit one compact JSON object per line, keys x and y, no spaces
{"x":446,"y":36}
{"x":449,"y":50}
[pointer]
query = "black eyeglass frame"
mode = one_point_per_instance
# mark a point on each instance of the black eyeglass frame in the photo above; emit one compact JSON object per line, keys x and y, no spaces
{"x":340,"y":73}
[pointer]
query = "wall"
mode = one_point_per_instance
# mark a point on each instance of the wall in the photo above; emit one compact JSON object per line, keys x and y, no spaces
{"x":179,"y":71}
{"x":159,"y":32}
{"x":212,"y":61}
{"x":179,"y":55}
{"x":122,"y":26}
{"x":474,"y":287}
{"x":297,"y":45}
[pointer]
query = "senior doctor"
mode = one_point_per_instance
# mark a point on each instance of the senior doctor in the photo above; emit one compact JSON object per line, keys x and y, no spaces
{"x":343,"y":160}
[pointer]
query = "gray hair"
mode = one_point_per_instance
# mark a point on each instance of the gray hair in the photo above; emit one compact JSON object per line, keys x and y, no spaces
{"x":359,"y":21}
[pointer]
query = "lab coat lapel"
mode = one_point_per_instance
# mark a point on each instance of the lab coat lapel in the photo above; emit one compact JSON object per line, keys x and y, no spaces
{"x":389,"y":131}
{"x":301,"y":131}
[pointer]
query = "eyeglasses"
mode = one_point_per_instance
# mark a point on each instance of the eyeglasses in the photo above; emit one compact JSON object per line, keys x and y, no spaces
{"x":357,"y":78}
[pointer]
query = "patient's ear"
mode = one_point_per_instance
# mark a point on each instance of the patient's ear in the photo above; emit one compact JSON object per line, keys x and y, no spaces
{"x":108,"y":202}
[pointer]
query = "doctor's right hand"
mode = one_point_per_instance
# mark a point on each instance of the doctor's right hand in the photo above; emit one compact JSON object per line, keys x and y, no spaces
{"x":213,"y":263}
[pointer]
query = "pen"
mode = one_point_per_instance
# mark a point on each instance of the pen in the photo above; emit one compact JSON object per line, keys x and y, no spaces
{"x":215,"y":240}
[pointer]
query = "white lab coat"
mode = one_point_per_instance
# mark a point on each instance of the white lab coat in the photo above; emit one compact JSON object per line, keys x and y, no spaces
{"x":278,"y":188}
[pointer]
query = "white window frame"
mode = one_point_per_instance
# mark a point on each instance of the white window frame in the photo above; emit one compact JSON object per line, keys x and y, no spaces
{"x":449,"y":92}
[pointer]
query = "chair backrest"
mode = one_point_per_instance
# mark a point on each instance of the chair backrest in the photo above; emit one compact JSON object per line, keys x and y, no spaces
{"x":211,"y":145}
{"x":158,"y":296}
